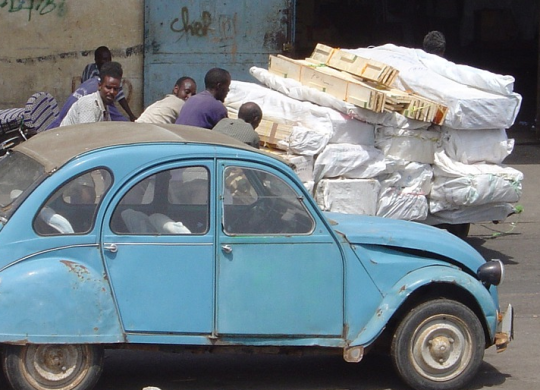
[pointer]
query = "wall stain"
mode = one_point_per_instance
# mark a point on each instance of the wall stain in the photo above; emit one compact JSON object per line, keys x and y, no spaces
{"x":116,"y":53}
{"x":34,"y":7}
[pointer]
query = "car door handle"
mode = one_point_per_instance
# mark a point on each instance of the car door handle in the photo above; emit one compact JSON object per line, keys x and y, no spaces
{"x":111,"y":248}
{"x":226,"y":248}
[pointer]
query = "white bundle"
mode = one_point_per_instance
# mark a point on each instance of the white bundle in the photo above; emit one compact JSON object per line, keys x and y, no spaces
{"x":403,"y":192}
{"x":473,"y":214}
{"x":349,"y":196}
{"x":476,"y":99}
{"x":472,"y":146}
{"x":457,"y":184}
{"x":410,"y":145}
{"x":305,"y":141}
{"x":397,"y":204}
{"x":411,"y":178}
{"x":303,"y":166}
{"x":350,"y":161}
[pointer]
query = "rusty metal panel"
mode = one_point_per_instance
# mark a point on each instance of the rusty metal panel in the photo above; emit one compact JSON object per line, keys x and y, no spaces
{"x":188,"y":37}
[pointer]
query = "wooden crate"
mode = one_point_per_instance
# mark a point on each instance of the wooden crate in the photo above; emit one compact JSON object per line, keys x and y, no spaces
{"x":321,"y":54}
{"x":271,"y":133}
{"x":285,"y":67}
{"x":365,"y":68}
{"x":325,"y":80}
{"x":356,"y":90}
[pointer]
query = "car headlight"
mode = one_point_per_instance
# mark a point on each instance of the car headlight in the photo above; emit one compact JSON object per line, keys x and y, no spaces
{"x":491,"y":273}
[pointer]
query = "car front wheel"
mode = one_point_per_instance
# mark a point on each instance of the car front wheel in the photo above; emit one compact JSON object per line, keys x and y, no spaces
{"x":439,"y":345}
{"x":52,"y":366}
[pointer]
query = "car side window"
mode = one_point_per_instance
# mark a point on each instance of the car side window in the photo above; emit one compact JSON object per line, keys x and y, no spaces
{"x":72,"y":208}
{"x":258,"y":202}
{"x":169,"y":202}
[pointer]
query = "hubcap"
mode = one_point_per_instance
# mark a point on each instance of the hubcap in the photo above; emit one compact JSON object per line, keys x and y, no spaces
{"x":54,"y":366}
{"x":441,"y":348}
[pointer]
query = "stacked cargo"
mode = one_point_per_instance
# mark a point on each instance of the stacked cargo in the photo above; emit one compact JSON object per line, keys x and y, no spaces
{"x":391,"y":131}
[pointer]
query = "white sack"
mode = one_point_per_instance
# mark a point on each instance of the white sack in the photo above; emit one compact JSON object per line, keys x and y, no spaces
{"x":474,"y":214}
{"x":445,"y":166}
{"x":472,"y":146}
{"x":357,"y":132}
{"x":305,"y":141}
{"x":450,"y":193}
{"x":349,"y":196}
{"x":303,"y":166}
{"x":476,"y":99}
{"x":397,"y":204}
{"x":350,"y":161}
{"x":413,"y":178}
{"x":409,"y":145}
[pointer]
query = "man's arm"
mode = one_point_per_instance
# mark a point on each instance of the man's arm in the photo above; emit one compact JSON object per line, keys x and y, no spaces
{"x":124,"y":104}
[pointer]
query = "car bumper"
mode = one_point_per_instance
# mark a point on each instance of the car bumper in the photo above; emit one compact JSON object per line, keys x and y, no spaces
{"x":505,"y":329}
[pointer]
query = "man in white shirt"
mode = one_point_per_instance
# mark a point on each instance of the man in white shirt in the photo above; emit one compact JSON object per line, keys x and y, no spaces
{"x":94,"y":107}
{"x":166,"y":110}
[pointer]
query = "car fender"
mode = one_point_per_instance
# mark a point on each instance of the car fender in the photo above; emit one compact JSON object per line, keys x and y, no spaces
{"x":414,"y":280}
{"x":53,"y":299}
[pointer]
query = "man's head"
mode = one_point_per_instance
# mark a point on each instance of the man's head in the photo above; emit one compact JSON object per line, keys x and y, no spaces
{"x":251,"y":113}
{"x":435,"y":43}
{"x":110,"y":80}
{"x":184,"y":88}
{"x":217,"y":81}
{"x":102,"y":55}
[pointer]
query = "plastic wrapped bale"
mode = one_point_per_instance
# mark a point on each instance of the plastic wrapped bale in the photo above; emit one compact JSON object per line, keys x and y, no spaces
{"x":304,"y":141}
{"x":396,"y":204}
{"x":476,"y":98}
{"x":349,"y":196}
{"x":457,"y":184}
{"x":473,"y":146}
{"x":349,"y":161}
{"x":409,"y":145}
{"x":403,"y":192}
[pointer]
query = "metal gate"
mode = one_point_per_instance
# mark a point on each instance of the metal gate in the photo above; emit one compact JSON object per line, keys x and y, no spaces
{"x":189,"y":37}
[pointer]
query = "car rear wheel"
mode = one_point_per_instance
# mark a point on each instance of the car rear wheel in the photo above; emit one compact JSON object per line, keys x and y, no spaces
{"x":439,"y":345}
{"x":53,"y":366}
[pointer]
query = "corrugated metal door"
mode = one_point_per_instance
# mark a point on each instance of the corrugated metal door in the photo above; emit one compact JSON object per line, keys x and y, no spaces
{"x":188,"y":37}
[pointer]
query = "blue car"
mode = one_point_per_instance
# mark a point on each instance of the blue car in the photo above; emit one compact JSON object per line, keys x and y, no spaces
{"x":116,"y":234}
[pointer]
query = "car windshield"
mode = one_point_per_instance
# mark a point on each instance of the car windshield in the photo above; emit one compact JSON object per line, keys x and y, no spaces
{"x":19,"y":174}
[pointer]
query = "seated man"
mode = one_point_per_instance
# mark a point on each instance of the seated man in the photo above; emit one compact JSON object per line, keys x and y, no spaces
{"x":166,"y":110}
{"x":206,"y":109}
{"x":243,"y":128}
{"x":90,"y":86}
{"x":101,"y":56}
{"x":95,"y":107}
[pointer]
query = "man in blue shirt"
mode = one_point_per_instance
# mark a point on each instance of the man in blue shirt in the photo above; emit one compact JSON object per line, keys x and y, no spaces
{"x":206,"y":109}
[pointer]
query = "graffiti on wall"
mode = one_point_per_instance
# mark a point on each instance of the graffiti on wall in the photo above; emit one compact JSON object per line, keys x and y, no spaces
{"x":195,"y":28}
{"x":201,"y":27}
{"x":33,"y":7}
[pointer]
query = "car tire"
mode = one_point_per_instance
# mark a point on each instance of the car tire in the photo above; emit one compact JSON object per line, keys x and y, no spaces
{"x":52,"y":366}
{"x":439,"y":345}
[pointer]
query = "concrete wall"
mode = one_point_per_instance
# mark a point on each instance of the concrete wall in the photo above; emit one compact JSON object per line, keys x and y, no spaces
{"x":45,"y":43}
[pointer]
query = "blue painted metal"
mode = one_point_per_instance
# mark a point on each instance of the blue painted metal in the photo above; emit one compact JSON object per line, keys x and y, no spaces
{"x":187,"y":38}
{"x":396,"y":295}
{"x":336,"y":286}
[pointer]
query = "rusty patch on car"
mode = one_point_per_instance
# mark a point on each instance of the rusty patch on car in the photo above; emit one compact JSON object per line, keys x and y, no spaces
{"x":80,"y":270}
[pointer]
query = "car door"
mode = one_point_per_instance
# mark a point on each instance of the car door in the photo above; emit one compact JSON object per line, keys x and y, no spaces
{"x":279,"y":270}
{"x":158,"y":249}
